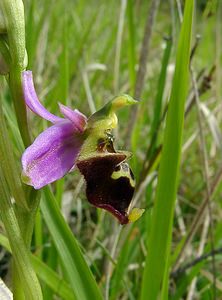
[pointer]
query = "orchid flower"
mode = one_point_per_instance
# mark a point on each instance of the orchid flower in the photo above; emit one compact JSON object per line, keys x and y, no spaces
{"x":75,"y":140}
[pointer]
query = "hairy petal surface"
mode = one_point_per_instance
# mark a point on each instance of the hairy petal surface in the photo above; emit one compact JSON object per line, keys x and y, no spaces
{"x":75,"y":116}
{"x":52,"y":154}
{"x":32,"y":101}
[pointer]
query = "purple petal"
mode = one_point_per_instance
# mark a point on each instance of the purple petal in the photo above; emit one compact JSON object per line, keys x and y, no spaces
{"x":52,"y":154}
{"x":32,"y":101}
{"x":75,"y":116}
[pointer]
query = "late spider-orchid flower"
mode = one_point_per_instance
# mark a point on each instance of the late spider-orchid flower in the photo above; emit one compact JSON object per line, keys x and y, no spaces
{"x":86,"y":143}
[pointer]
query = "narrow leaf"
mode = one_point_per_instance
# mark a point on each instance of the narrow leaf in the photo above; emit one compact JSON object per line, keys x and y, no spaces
{"x":46,"y":274}
{"x":161,"y":228}
{"x":80,"y":277}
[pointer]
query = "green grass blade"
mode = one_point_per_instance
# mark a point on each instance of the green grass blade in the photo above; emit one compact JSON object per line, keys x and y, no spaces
{"x":38,"y":234}
{"x":119,"y":279}
{"x":24,"y":271}
{"x":161,"y":227}
{"x":46,"y":274}
{"x":8,"y":162}
{"x":80,"y":276}
{"x":160,"y":90}
{"x":185,"y":281}
{"x":131,"y":47}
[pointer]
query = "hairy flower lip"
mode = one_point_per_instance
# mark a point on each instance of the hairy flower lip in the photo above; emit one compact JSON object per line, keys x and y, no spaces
{"x":104,"y":191}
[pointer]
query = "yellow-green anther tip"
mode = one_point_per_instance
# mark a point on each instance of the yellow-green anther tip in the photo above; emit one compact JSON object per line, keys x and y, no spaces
{"x":121,"y":101}
{"x":106,"y":117}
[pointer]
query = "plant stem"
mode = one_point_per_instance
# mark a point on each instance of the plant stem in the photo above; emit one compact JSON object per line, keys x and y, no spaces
{"x":9,"y":164}
{"x":15,"y":85}
{"x":17,"y":291}
{"x":13,"y":12}
{"x":28,"y":279}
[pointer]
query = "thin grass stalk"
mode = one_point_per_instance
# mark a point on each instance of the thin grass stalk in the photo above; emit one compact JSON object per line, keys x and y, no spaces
{"x":157,"y":116}
{"x":119,"y":45}
{"x":131,"y":45}
{"x":215,"y":186}
{"x":144,"y":53}
{"x":159,"y":240}
{"x":116,"y":237}
{"x":206,"y":179}
{"x":159,"y":96}
{"x":203,"y":239}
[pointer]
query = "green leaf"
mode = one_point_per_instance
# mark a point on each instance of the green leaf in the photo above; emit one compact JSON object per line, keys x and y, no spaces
{"x":79,"y":274}
{"x":46,"y":274}
{"x":159,"y":96}
{"x":8,"y":162}
{"x":22,"y":266}
{"x":159,"y":240}
{"x":131,"y":45}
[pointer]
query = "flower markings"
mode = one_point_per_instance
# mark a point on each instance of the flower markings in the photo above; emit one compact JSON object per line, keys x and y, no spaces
{"x":75,"y":140}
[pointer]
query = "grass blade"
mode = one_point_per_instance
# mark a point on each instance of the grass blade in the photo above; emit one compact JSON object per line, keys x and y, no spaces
{"x":46,"y":274}
{"x":159,"y":96}
{"x":23,"y":268}
{"x":131,"y":45}
{"x":80,"y":277}
{"x":161,"y":228}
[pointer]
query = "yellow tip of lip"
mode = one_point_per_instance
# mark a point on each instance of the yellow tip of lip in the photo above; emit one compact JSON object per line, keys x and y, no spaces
{"x":135,"y":214}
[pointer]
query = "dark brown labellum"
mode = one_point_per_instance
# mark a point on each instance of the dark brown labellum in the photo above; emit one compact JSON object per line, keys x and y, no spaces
{"x":109,"y":183}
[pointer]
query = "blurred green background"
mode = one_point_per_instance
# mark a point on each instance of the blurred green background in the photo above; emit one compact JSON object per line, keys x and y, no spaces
{"x":82,"y":53}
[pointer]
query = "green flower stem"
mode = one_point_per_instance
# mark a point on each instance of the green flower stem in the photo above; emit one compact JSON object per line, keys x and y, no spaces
{"x":26,"y":218}
{"x":17,"y":219}
{"x":28,"y":279}
{"x":23,"y":211}
{"x":8,"y":163}
{"x":15,"y":85}
{"x":18,"y":293}
{"x":13,"y":12}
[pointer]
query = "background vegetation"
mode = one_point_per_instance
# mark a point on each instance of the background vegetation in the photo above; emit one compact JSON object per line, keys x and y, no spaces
{"x":82,"y":53}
